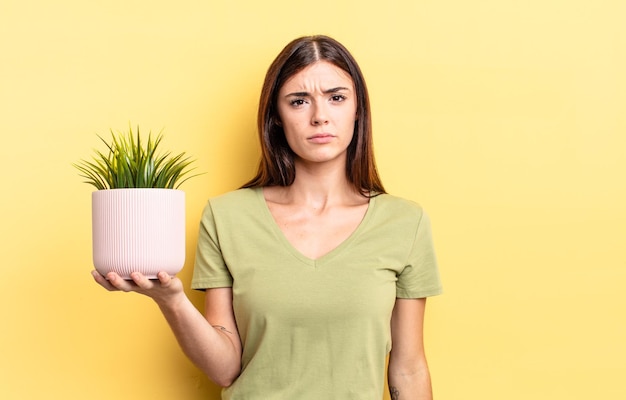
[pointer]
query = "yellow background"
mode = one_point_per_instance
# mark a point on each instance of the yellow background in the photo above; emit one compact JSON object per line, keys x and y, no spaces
{"x":505,"y":119}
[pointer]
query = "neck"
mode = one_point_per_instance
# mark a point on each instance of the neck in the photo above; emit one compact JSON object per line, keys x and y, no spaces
{"x":320,"y":185}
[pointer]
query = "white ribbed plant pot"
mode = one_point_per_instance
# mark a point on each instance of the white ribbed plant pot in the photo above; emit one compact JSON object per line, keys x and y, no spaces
{"x":139,"y":230}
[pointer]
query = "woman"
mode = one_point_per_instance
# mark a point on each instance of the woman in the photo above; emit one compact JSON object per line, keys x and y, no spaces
{"x":311,"y":270}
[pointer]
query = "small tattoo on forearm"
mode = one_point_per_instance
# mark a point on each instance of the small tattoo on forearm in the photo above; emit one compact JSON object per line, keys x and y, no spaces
{"x":221,"y":328}
{"x":394,"y":392}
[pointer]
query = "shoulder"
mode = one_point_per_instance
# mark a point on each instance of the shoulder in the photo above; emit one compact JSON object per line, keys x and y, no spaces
{"x":235,"y":199}
{"x":396,"y":216}
{"x":398,"y":206}
{"x":235,"y":203}
{"x":235,"y":196}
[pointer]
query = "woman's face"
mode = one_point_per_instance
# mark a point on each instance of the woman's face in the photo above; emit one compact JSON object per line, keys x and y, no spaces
{"x":317,"y":109}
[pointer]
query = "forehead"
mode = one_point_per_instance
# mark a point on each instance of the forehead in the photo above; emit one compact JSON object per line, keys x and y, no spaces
{"x":321,"y":74}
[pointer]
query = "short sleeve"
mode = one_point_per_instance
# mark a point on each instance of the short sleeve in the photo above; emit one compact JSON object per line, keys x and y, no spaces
{"x":420,"y":277}
{"x":210,"y":270}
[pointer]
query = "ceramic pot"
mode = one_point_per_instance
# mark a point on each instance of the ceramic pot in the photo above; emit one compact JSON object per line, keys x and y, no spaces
{"x":138,"y":230}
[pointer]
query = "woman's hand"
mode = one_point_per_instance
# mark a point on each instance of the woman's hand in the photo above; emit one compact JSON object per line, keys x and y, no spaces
{"x":162,"y":290}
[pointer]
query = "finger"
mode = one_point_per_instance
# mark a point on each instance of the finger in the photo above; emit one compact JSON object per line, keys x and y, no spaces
{"x":141,"y":280}
{"x":102,"y":281}
{"x":164,"y":278}
{"x":121,"y":284}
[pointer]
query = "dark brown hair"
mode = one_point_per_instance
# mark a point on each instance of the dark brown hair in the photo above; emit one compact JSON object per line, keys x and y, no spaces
{"x":277,"y":159}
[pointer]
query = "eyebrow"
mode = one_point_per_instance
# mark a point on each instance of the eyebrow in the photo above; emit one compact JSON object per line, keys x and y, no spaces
{"x":327,"y":91}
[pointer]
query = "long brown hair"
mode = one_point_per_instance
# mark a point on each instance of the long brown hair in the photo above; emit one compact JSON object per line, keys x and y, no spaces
{"x":277,"y":167}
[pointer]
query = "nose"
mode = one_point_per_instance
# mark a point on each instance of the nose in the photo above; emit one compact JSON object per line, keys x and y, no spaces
{"x":319,"y":116}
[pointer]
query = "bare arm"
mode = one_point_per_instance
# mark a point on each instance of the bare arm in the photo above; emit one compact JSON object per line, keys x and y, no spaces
{"x":211,"y":341}
{"x":408,"y":375}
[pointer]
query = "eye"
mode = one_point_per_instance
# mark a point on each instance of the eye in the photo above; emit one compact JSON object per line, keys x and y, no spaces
{"x":297,"y":102}
{"x":337,"y":98}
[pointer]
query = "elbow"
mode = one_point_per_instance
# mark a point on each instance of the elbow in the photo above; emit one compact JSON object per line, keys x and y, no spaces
{"x":225,"y":381}
{"x":226,"y":378}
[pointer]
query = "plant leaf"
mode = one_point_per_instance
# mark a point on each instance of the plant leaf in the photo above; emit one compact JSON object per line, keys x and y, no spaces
{"x":131,"y":162}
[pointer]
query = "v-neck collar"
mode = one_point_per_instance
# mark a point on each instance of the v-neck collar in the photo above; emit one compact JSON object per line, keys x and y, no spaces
{"x":295,"y":252}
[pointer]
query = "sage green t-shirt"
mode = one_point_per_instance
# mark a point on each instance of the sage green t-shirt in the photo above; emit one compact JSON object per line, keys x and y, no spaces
{"x":314,"y":329}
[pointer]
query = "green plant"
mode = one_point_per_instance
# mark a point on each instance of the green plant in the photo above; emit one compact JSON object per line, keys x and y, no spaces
{"x":129,"y":163}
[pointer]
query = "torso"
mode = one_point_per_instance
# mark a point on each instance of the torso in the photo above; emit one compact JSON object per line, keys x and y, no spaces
{"x":314,"y":329}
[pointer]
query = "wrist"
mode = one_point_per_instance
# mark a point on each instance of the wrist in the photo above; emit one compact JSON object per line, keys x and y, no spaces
{"x":171,"y":303}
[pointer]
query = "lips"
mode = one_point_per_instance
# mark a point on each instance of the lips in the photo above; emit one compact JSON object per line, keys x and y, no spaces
{"x":321,"y":138}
